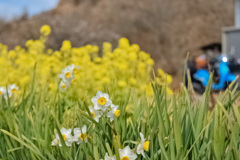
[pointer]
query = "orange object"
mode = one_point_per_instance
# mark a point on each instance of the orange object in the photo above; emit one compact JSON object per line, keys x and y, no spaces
{"x":201,"y":62}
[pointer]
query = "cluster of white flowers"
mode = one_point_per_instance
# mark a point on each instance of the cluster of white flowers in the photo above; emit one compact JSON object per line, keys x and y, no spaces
{"x":80,"y":135}
{"x":125,"y":154}
{"x":128,"y":154}
{"x":9,"y":92}
{"x":101,"y":103}
{"x":67,"y":77}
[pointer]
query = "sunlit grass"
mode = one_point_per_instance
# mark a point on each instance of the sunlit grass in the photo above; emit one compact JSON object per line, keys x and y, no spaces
{"x":176,"y":127}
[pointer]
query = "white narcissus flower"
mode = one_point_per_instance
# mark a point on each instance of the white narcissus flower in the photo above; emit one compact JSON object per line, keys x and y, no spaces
{"x":127,"y":154}
{"x":115,"y":112}
{"x":95,"y":114}
{"x":67,"y":77}
{"x":143,"y":146}
{"x":101,"y":101}
{"x":12,"y":89}
{"x":2,"y":91}
{"x":63,"y":85}
{"x":109,"y":158}
{"x":73,"y":68}
{"x":80,"y":135}
{"x":67,"y":74}
{"x":67,"y":137}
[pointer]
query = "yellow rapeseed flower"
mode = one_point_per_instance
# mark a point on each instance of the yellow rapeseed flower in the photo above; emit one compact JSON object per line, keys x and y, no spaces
{"x":66,"y":45}
{"x":123,"y":43}
{"x":24,"y":81}
{"x":45,"y":30}
{"x":105,"y":80}
{"x":107,"y":47}
{"x":150,"y":61}
{"x":169,"y":91}
{"x":97,"y":59}
{"x":133,"y":56}
{"x":161,"y":73}
{"x":122,"y":83}
{"x":120,"y":66}
{"x":133,"y":81}
{"x":12,"y":54}
{"x":169,"y":79}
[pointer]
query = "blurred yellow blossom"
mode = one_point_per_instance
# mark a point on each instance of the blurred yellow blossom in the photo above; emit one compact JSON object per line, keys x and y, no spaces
{"x":120,"y":69}
{"x":169,"y":79}
{"x":123,"y":43}
{"x":107,"y":47}
{"x":121,"y":83}
{"x":133,"y":56}
{"x":161,"y":72}
{"x":133,"y":81}
{"x":169,"y":91}
{"x":12,"y":54}
{"x":97,"y":59}
{"x":24,"y":81}
{"x":45,"y":30}
{"x":150,"y":62}
{"x":105,"y":80}
{"x":66,"y":45}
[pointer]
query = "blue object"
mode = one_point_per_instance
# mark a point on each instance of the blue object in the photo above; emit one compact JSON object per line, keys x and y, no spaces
{"x":223,"y":58}
{"x":203,"y":76}
{"x":225,"y":76}
{"x":231,"y":77}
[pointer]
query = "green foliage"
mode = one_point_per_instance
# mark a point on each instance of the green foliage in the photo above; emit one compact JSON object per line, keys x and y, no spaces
{"x":177,"y":127}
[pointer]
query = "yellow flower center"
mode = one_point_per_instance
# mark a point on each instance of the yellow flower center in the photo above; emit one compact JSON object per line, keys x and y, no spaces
{"x":102,"y":100}
{"x":146,"y":145}
{"x":63,"y":86}
{"x":83,"y":136}
{"x":68,"y":75}
{"x":93,"y":114}
{"x":125,"y":158}
{"x":0,"y":93}
{"x":75,"y":70}
{"x":14,"y":90}
{"x":64,"y":137}
{"x":73,"y":81}
{"x":117,"y":113}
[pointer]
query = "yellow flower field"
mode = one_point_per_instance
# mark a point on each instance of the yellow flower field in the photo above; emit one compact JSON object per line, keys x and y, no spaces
{"x":121,"y":68}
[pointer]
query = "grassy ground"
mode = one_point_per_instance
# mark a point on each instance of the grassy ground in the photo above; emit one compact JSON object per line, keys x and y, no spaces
{"x":176,"y":126}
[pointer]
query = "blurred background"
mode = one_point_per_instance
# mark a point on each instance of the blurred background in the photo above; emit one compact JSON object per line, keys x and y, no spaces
{"x":167,"y":29}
